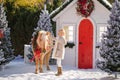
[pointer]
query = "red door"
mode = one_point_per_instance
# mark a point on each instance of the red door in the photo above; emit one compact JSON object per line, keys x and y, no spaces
{"x":85,"y":46}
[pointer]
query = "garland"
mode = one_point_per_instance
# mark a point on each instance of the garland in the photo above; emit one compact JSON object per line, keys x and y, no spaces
{"x":85,"y":7}
{"x":70,"y":45}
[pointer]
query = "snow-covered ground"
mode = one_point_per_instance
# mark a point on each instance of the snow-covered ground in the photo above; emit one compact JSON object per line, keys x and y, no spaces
{"x":18,"y":70}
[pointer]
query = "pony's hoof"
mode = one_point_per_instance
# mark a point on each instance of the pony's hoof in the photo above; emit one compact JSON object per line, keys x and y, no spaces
{"x":41,"y":71}
{"x":36,"y":71}
{"x":58,"y":74}
{"x":48,"y":68}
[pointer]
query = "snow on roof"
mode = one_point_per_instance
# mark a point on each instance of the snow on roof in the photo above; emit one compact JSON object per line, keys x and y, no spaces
{"x":107,"y":3}
{"x":64,"y":5}
{"x":67,"y":2}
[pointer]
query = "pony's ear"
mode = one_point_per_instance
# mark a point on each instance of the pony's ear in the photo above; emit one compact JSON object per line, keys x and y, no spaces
{"x":48,"y":33}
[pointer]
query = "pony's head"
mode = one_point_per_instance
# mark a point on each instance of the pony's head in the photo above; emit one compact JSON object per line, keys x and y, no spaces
{"x":42,"y":34}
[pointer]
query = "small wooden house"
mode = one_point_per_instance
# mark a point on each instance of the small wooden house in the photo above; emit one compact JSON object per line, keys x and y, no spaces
{"x":84,"y":32}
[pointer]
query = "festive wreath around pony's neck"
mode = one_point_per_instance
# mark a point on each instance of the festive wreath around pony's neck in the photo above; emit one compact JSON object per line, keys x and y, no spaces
{"x":85,"y":7}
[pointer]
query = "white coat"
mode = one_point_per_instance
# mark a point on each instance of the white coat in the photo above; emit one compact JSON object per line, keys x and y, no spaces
{"x":59,"y":48}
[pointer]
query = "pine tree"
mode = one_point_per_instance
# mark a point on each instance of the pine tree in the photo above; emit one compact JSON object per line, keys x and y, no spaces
{"x":110,"y":43}
{"x":6,"y":51}
{"x":44,"y":22}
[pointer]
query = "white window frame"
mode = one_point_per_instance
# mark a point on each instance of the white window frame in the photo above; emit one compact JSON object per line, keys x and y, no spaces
{"x":71,"y":34}
{"x":100,"y":30}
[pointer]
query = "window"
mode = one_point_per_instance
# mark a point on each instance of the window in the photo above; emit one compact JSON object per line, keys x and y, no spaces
{"x":69,"y":33}
{"x":102,"y":30}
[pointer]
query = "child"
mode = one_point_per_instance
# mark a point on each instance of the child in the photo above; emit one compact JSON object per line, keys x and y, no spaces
{"x":59,"y":50}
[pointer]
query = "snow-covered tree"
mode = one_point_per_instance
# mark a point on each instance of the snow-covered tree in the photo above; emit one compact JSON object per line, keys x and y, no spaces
{"x":110,"y":43}
{"x":44,"y":22}
{"x":6,"y":51}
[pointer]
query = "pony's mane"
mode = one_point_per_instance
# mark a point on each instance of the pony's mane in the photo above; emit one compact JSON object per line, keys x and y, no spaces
{"x":43,"y":37}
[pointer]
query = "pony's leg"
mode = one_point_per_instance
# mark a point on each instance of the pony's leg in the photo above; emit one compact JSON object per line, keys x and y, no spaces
{"x":41,"y":62}
{"x":37,"y":66}
{"x":47,"y":58}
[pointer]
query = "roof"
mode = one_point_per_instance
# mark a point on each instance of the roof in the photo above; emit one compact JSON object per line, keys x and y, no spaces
{"x":67,"y":2}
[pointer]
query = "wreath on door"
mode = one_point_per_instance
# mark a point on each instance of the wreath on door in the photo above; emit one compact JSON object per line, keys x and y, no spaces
{"x":85,"y":7}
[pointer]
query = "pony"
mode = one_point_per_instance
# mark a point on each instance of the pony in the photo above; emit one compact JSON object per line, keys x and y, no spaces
{"x":42,"y":45}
